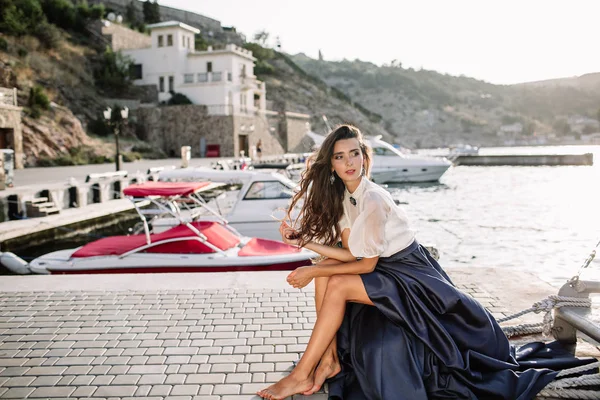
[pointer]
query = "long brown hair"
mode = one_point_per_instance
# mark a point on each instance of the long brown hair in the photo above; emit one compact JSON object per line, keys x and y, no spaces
{"x":322,"y":208}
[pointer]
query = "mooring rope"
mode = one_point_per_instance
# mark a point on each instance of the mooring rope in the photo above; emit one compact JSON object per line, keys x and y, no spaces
{"x":546,"y":305}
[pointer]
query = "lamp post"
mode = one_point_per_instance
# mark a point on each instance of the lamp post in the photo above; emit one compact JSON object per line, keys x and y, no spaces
{"x":116,"y":127}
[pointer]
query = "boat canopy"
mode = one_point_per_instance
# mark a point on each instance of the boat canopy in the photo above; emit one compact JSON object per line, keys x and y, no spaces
{"x":165,"y":189}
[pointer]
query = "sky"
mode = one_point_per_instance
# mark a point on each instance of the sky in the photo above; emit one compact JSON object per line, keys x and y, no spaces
{"x":501,"y":42}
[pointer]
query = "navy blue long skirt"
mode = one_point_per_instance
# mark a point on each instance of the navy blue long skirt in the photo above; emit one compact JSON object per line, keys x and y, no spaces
{"x":425,"y":339}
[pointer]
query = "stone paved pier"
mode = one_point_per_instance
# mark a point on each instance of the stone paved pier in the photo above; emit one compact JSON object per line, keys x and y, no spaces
{"x":175,"y":336}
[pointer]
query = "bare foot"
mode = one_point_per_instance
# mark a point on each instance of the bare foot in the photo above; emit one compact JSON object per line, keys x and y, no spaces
{"x":327,"y":368}
{"x":286,"y":387}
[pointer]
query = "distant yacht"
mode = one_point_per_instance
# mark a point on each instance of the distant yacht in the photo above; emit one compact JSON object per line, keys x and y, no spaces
{"x":390,"y":165}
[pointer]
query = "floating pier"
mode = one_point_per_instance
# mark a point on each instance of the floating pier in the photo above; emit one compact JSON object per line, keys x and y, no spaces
{"x":525,"y":160}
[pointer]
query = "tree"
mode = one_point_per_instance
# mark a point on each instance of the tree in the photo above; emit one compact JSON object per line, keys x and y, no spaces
{"x":130,"y":13}
{"x":21,"y":17}
{"x":151,"y":12}
{"x":261,"y":37}
{"x":320,"y":55}
{"x":112,"y":75}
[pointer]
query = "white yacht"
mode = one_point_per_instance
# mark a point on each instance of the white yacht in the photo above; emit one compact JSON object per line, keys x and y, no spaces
{"x":251,"y":202}
{"x":390,"y":165}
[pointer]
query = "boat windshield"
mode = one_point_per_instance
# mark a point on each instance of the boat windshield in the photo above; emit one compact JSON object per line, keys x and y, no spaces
{"x":381,"y":148}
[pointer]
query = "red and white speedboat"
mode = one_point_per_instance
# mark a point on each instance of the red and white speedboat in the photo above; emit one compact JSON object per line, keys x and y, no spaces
{"x":206,"y":245}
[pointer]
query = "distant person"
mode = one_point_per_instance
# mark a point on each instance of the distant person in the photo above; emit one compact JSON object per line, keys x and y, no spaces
{"x":390,"y":322}
{"x":259,"y":149}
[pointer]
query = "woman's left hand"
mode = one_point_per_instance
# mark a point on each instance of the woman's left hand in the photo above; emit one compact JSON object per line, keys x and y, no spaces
{"x":301,"y":276}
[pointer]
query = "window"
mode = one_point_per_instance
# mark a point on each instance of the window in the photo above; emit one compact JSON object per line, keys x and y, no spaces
{"x":229,"y":76}
{"x":268,"y":190}
{"x":209,"y":66}
{"x":161,"y":84}
{"x":216,"y":76}
{"x":169,"y":40}
{"x":171,"y":84}
{"x":160,"y":40}
{"x":382,"y":151}
{"x":243,"y":70}
{"x":188,"y":78}
{"x":135,"y":71}
{"x":203,"y":77}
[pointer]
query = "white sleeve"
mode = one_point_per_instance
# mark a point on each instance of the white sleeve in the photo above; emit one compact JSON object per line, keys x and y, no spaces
{"x":367,"y":237}
{"x":344,"y":223}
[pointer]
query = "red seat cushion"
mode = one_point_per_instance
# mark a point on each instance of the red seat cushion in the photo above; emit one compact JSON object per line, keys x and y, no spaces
{"x":216,"y":234}
{"x":265,"y":247}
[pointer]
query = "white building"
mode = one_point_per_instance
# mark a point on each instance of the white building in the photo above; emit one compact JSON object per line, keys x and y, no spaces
{"x":223,"y":80}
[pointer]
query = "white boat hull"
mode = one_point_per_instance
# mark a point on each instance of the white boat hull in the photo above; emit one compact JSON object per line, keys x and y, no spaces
{"x":61,"y":262}
{"x":408,"y":174}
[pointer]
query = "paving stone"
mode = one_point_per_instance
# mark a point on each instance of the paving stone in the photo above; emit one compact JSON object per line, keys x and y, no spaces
{"x":172,"y":369}
{"x":188,"y":369}
{"x":17,"y":393}
{"x":115,"y":391}
{"x":118,"y":369}
{"x":103,"y":380}
{"x":125,"y":380}
{"x":84,"y":391}
{"x":152,"y":379}
{"x":175,"y":379}
{"x":160,"y":390}
{"x":45,"y":392}
{"x":227,"y":368}
{"x":46,"y":381}
{"x":143,"y":391}
{"x":19,"y":381}
{"x":68,"y":380}
{"x":184,"y":390}
{"x":14,"y":371}
{"x":227,"y":389}
{"x":205,"y":378}
{"x":46,"y":371}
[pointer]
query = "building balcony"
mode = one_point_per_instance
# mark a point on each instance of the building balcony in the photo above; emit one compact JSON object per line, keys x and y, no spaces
{"x":207,"y":77}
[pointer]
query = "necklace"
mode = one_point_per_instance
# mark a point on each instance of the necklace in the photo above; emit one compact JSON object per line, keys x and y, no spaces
{"x":352,"y":201}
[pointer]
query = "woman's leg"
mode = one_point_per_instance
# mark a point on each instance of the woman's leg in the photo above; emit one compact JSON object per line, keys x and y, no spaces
{"x":329,"y":365}
{"x":340,"y":289}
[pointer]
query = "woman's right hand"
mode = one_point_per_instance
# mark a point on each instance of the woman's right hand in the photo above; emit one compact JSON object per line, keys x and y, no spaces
{"x":288,"y":234}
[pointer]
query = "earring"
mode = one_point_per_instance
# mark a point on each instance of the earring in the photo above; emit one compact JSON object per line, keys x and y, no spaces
{"x":332,"y":178}
{"x":362,"y":171}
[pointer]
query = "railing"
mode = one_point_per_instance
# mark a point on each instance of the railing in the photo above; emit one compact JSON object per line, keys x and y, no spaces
{"x":204,"y":77}
{"x":230,"y":109}
{"x":8,"y":96}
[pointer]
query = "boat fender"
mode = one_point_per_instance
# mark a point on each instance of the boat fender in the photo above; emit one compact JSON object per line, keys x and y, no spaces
{"x":14,"y":263}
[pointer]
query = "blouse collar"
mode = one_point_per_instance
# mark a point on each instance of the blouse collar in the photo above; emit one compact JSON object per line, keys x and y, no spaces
{"x":359,"y":190}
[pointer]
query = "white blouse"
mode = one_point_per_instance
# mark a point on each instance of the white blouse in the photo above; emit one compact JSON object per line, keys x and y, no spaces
{"x":378,"y":227}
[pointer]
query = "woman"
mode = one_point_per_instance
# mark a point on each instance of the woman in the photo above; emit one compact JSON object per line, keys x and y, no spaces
{"x":403,"y":329}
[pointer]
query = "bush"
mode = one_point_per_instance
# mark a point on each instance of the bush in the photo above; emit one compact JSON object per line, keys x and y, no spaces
{"x":3,"y":44}
{"x":130,"y":156}
{"x":49,"y":35}
{"x":38,"y":101}
{"x":76,"y":156}
{"x":261,"y":53}
{"x":178,"y":99}
{"x":148,"y":152}
{"x":22,"y":52}
{"x":263,"y":68}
